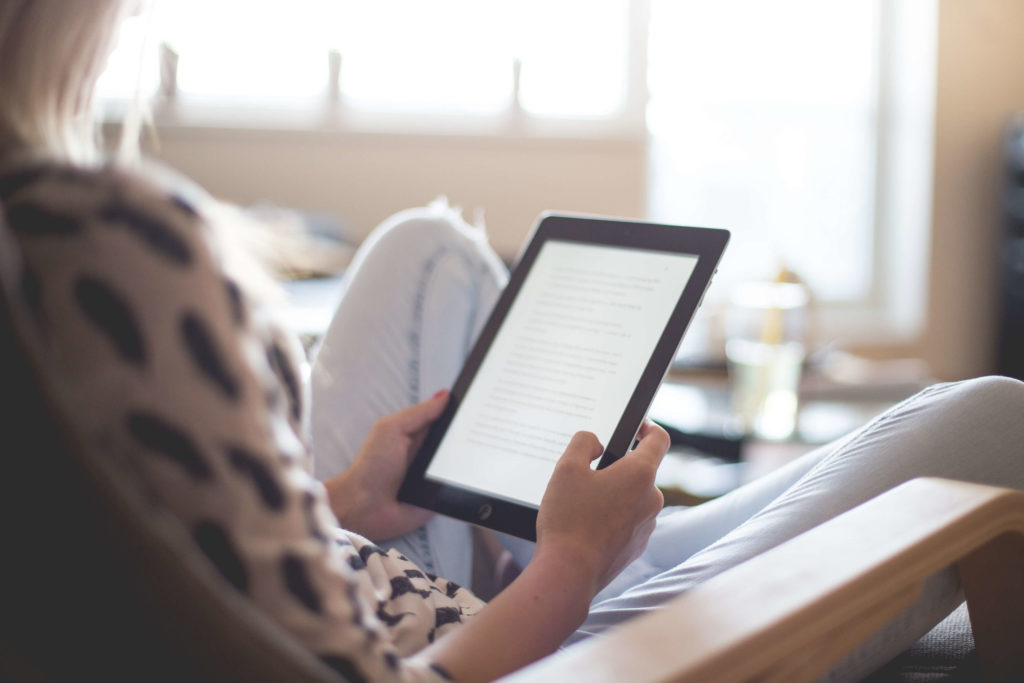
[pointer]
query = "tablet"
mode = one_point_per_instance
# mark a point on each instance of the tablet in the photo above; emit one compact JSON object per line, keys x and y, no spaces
{"x":580,"y":339}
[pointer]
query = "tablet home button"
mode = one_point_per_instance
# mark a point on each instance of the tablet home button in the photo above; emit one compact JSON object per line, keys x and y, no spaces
{"x":484,"y":512}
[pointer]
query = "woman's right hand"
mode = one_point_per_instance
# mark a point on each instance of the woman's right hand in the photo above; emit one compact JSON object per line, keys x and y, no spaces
{"x":602,"y":519}
{"x":591,"y":524}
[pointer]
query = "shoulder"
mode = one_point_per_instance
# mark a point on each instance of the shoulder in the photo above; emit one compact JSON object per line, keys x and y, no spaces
{"x":73,"y":224}
{"x":51,"y":199}
{"x":138,"y":245}
{"x":154,"y":360}
{"x":115,"y":272}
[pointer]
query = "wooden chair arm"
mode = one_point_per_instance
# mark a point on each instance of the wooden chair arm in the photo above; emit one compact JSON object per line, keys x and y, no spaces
{"x":791,"y":613}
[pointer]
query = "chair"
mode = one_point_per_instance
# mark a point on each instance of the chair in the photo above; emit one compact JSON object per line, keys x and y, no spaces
{"x":792,"y":612}
{"x":97,"y":582}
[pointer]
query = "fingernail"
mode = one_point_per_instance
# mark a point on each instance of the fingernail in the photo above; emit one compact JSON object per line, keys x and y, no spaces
{"x":440,"y":393}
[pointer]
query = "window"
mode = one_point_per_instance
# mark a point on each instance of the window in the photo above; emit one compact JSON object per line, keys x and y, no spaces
{"x":763,"y":119}
{"x":803,"y":126}
{"x":565,"y":59}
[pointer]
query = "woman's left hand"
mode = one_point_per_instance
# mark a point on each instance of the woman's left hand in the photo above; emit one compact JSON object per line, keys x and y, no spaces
{"x":365,"y":496}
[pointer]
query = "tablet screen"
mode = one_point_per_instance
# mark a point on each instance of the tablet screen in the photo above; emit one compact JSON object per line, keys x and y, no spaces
{"x":567,"y":357}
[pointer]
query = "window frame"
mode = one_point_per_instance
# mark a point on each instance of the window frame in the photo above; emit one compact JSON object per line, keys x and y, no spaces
{"x":892,"y":313}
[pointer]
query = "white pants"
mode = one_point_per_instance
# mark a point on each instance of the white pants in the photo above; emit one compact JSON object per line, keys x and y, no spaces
{"x":418,"y":293}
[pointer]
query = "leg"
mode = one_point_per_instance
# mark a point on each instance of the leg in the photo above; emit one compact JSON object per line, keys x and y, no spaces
{"x":416,"y":296}
{"x":969,"y":431}
{"x":682,"y":532}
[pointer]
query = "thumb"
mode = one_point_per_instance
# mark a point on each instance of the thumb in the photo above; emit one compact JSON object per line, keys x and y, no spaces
{"x":583,"y":449}
{"x":415,"y":417}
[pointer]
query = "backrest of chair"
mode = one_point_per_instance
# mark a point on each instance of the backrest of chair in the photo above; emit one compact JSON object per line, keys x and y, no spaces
{"x":93,"y":583}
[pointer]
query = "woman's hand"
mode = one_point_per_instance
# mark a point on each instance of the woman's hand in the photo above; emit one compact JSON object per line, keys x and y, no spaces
{"x":602,"y":518}
{"x":365,"y":497}
{"x":591,"y":525}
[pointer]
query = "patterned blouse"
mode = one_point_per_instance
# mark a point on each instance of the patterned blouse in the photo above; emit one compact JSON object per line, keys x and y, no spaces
{"x":124,"y":299}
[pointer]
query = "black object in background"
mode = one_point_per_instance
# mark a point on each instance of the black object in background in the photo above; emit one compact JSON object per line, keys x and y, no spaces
{"x":1010,"y":351}
{"x":728,"y":447}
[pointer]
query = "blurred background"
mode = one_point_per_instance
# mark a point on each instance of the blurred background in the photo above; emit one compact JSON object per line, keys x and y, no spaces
{"x":864,"y":150}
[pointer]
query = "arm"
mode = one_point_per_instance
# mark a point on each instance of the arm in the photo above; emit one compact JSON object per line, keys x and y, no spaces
{"x":591,"y":525}
{"x":525,"y":622}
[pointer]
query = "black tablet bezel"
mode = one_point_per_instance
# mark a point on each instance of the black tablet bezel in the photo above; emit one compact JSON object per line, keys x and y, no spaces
{"x":520,"y":519}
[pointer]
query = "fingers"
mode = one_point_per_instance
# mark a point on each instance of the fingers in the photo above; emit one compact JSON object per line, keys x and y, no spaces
{"x":645,"y":428}
{"x":653,"y":444}
{"x":418,"y":416}
{"x":640,"y":465}
{"x":583,"y":449}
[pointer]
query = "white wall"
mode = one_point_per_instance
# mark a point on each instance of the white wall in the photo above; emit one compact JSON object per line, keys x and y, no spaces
{"x":980,"y":84}
{"x":367,"y":177}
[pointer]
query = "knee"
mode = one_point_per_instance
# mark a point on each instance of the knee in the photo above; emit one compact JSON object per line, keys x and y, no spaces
{"x":990,"y":403}
{"x":994,"y":393}
{"x":424,"y":230}
{"x":966,"y":403}
{"x":432,"y":238}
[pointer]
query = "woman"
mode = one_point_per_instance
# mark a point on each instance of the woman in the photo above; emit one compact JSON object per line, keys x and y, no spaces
{"x":140,"y":324}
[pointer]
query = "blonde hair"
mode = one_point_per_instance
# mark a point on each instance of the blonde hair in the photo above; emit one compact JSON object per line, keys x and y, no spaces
{"x":51,"y":54}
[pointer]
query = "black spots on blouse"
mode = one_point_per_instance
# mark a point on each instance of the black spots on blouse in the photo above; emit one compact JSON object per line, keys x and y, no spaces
{"x":11,"y":183}
{"x":451,"y":589}
{"x":278,"y":360}
{"x":356,"y":562}
{"x":158,"y":237}
{"x":369,"y":549}
{"x":183,"y":206}
{"x":217,"y":546}
{"x":389,"y":619}
{"x":402,"y":585}
{"x":235,"y":301}
{"x":441,"y":671}
{"x":447,"y":615}
{"x":442,"y":617}
{"x":169,"y":441}
{"x":346,"y":667}
{"x":250,"y":466}
{"x":298,"y":583}
{"x":112,"y":315}
{"x":415,"y":574}
{"x":29,"y":219}
{"x":203,"y":350}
